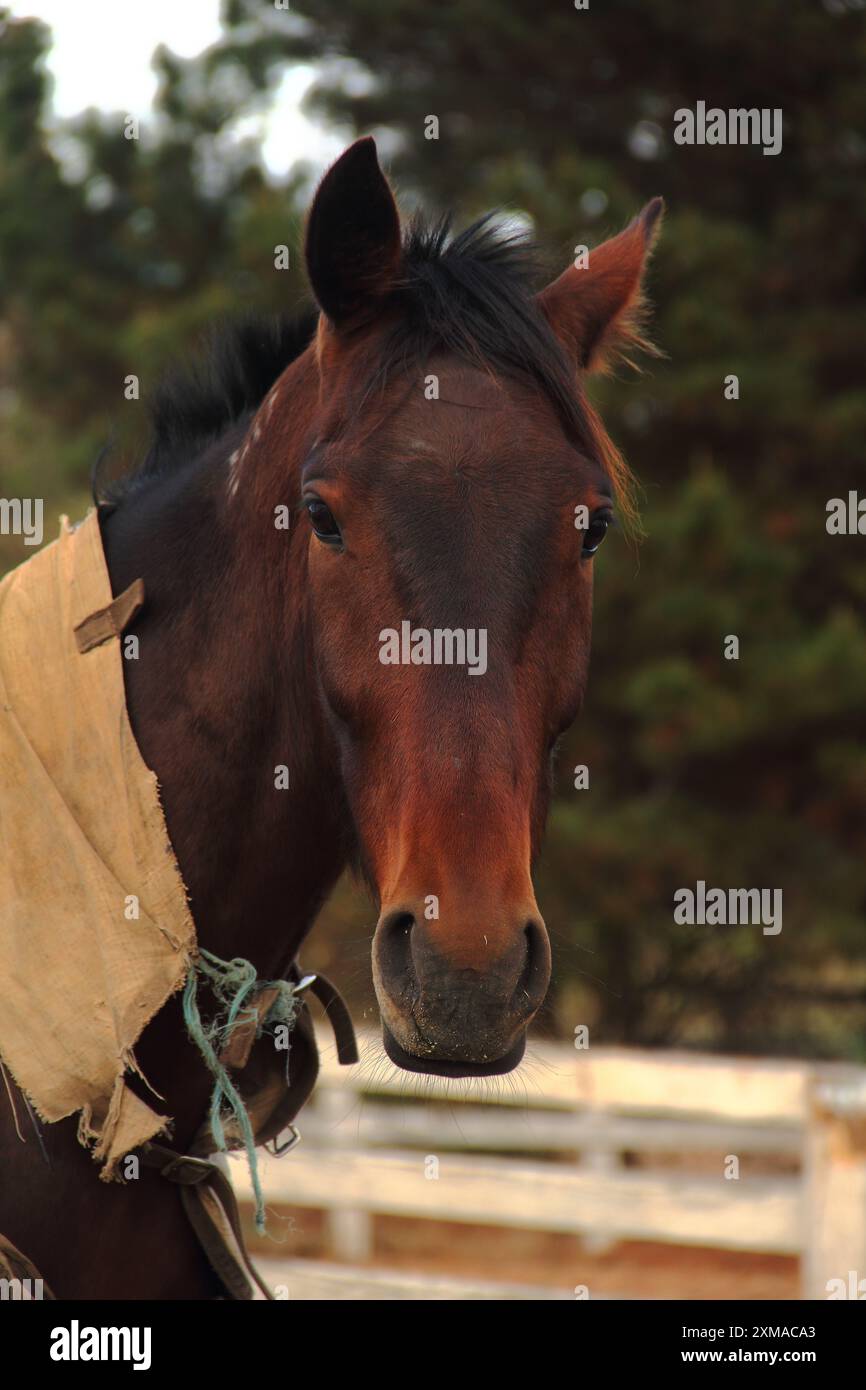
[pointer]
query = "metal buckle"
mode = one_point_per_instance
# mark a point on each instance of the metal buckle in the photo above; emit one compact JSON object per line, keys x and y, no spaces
{"x":279,"y":1150}
{"x":174,"y":1170}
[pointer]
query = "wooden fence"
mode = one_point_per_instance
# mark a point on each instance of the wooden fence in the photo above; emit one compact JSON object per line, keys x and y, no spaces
{"x":545,"y":1150}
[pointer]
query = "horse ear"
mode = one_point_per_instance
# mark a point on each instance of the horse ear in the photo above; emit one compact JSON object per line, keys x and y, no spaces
{"x":596,"y":311}
{"x":353,"y":237}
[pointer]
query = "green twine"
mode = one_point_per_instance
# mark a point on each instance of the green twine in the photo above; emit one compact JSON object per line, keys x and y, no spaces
{"x":231,"y":981}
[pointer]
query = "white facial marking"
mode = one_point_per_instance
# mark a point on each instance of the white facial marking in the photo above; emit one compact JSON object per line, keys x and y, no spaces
{"x":237,"y":459}
{"x":234,"y":473}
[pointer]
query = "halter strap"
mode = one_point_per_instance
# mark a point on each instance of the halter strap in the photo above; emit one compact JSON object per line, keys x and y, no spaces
{"x":206,"y":1193}
{"x":209,"y":1201}
{"x":111,"y":620}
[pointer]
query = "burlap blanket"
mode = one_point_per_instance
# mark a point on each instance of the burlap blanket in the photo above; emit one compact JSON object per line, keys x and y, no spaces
{"x":95,"y":931}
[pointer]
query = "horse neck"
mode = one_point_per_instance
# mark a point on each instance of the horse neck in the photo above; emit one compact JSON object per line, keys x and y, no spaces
{"x":224,"y":695}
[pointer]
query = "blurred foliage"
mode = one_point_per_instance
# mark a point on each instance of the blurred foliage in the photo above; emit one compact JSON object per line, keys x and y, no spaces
{"x":748,"y":773}
{"x":118,"y":255}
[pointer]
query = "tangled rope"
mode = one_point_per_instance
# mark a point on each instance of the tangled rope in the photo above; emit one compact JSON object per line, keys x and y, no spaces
{"x":232,"y":982}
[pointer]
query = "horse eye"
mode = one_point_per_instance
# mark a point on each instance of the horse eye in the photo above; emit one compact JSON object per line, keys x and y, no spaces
{"x":323,"y":521}
{"x":595,"y":534}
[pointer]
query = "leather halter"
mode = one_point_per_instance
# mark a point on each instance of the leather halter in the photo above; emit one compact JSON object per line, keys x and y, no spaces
{"x":210,"y":1203}
{"x":206,"y":1193}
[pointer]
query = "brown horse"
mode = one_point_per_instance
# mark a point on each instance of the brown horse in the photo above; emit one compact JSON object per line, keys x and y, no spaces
{"x":409,"y":650}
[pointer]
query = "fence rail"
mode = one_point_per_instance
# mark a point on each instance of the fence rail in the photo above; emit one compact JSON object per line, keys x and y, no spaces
{"x":547,"y":1153}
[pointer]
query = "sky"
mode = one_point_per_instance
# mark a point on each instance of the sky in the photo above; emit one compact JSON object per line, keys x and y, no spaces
{"x":101,"y":57}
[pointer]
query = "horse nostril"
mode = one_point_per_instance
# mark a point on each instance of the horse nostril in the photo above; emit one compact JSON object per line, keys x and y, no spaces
{"x":535,"y":977}
{"x":394,"y":949}
{"x":397,"y":923}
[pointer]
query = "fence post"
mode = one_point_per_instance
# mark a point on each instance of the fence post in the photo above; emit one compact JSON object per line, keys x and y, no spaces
{"x":834,"y":1238}
{"x":600,"y":1158}
{"x":350,"y":1230}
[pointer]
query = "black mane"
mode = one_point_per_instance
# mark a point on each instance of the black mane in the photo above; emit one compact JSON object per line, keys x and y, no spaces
{"x":471,"y":294}
{"x":194,"y":404}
